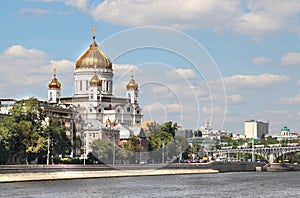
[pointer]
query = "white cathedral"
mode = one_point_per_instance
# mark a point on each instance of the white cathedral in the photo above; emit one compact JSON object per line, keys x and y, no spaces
{"x":97,"y":112}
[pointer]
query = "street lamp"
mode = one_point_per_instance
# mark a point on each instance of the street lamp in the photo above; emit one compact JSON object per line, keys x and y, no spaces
{"x":84,"y":148}
{"x":163,"y":153}
{"x":114,"y":154}
{"x":253,"y":144}
{"x":48,"y":149}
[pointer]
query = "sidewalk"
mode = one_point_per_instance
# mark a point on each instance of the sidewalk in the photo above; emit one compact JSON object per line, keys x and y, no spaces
{"x":64,"y":175}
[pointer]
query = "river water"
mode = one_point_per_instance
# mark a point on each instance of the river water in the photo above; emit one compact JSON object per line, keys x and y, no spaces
{"x":234,"y":184}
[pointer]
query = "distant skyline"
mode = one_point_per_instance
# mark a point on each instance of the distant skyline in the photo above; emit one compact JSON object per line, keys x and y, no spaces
{"x":251,"y":47}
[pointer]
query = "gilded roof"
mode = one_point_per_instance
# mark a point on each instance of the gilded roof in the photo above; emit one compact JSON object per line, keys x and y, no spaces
{"x":95,"y":81}
{"x":132,"y":85}
{"x":93,"y":57}
{"x":54,"y":83}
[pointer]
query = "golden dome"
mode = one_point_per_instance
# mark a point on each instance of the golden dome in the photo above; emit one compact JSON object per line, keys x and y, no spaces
{"x":93,"y":57}
{"x":132,"y":85}
{"x":54,"y":83}
{"x":95,"y":81}
{"x":108,"y":122}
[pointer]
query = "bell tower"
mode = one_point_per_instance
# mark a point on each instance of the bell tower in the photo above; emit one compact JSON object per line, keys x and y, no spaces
{"x":132,"y":90}
{"x":54,"y":89}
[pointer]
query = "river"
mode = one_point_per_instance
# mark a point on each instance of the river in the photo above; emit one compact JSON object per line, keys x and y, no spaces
{"x":233,"y":184}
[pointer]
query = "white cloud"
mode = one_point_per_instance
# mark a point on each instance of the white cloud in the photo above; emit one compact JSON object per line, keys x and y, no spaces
{"x":235,"y":99}
{"x":262,"y":17}
{"x":181,"y":73}
{"x":250,"y":81}
{"x":18,"y":51}
{"x":178,"y":14}
{"x":291,"y":58}
{"x":212,"y":110}
{"x":36,"y":11}
{"x":158,"y":107}
{"x":262,"y":61}
{"x":249,"y":17}
{"x":28,"y":72}
{"x":124,"y":67}
{"x":79,"y":4}
{"x":289,"y":101}
{"x":163,"y":112}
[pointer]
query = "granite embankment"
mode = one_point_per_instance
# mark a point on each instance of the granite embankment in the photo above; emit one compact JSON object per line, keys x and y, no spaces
{"x":55,"y":172}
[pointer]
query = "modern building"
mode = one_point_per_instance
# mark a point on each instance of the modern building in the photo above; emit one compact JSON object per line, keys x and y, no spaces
{"x":256,"y":129}
{"x":97,"y":113}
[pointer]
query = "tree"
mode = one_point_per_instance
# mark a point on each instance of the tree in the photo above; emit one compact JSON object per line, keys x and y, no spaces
{"x":269,"y":140}
{"x":169,"y":127}
{"x":158,"y":141}
{"x":296,"y":158}
{"x":133,"y":146}
{"x":60,"y":142}
{"x":23,"y":132}
{"x":105,"y":151}
{"x":4,"y":155}
{"x":153,"y":128}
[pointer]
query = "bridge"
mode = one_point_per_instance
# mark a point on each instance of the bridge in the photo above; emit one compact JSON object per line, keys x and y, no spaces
{"x":269,"y":153}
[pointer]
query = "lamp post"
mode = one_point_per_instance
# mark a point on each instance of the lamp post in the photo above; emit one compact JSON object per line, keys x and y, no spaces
{"x":84,"y":148}
{"x":114,"y":154}
{"x":163,"y":153}
{"x":253,"y":143}
{"x":48,"y":149}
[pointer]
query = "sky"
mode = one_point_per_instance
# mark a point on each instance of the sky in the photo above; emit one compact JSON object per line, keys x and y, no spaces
{"x":225,"y":61}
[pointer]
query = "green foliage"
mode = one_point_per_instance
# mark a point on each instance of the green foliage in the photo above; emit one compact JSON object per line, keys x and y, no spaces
{"x":4,"y":155}
{"x":22,"y":133}
{"x":159,"y":139}
{"x":296,"y":158}
{"x":71,"y":161}
{"x":169,"y":127}
{"x":195,"y":150}
{"x":60,"y":142}
{"x":269,"y":140}
{"x":165,"y":135}
{"x":104,"y":151}
{"x":153,"y":127}
{"x":133,"y":144}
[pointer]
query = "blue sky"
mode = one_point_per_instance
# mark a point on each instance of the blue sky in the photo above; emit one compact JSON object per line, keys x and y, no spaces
{"x":247,"y":54}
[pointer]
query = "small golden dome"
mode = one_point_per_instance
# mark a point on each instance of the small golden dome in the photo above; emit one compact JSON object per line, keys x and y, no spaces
{"x":95,"y":81}
{"x":54,"y":83}
{"x":132,"y":85}
{"x":108,"y":122}
{"x":93,"y":57}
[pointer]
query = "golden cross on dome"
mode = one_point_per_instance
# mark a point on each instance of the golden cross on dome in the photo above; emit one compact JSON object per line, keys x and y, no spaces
{"x":132,"y":72}
{"x":54,"y":70}
{"x":94,"y":32}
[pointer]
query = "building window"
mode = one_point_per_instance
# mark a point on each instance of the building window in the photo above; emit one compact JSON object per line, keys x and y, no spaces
{"x":50,"y":97}
{"x":80,"y":84}
{"x":128,"y":109}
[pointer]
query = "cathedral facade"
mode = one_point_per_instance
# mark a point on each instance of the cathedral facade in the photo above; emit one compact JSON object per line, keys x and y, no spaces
{"x":97,"y":113}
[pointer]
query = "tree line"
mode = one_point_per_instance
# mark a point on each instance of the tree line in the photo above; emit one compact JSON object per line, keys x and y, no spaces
{"x":24,"y":135}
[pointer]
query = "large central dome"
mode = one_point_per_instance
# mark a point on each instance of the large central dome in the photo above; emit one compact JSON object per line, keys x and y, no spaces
{"x":93,"y":57}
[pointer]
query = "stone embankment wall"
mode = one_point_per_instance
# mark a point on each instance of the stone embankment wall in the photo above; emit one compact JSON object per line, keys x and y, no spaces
{"x":220,"y":166}
{"x":236,"y":166}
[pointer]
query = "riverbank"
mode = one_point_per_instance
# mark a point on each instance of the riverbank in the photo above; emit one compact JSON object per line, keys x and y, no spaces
{"x":89,"y":174}
{"x":19,"y":173}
